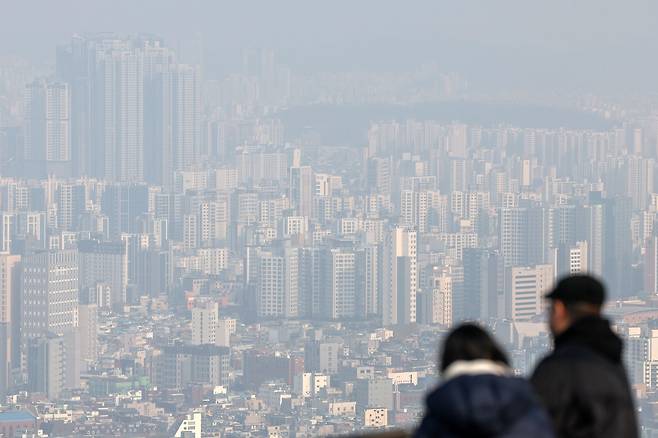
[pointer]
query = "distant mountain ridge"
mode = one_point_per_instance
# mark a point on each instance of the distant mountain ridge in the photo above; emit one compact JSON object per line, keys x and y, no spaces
{"x":346,"y":125}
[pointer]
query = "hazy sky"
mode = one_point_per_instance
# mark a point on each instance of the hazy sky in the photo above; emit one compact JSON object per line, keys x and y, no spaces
{"x":564,"y":43}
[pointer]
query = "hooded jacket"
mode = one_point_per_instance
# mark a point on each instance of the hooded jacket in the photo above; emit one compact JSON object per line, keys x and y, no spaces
{"x":481,"y":399}
{"x":583,"y":384}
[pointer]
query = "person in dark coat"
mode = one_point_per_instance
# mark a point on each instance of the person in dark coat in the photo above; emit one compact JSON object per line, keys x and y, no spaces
{"x":479,"y":396}
{"x":583,"y":383}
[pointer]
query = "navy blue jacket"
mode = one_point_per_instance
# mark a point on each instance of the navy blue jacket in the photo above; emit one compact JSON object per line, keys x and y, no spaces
{"x":484,"y":405}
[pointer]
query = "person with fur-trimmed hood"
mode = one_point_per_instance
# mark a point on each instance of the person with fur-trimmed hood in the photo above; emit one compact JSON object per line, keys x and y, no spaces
{"x":479,"y":396}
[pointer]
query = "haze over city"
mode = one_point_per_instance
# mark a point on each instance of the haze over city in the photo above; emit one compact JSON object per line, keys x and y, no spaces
{"x":262,"y":219}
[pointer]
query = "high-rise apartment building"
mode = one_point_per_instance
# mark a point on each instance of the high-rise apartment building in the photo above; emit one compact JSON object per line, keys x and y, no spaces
{"x":302,"y":189}
{"x":457,"y":140}
{"x":190,"y":231}
{"x":49,"y":324}
{"x":572,"y":259}
{"x":380,"y":175}
{"x":277,"y":283}
{"x":47,"y":128}
{"x":591,"y":218}
{"x":309,"y":282}
{"x":172,"y":105}
{"x":71,"y":203}
{"x":338,"y":283}
{"x":213,"y":260}
{"x":483,"y":285}
{"x":186,"y":91}
{"x":50,"y":285}
{"x":205,"y":318}
{"x":7,"y":231}
{"x":399,"y":277}
{"x":416,"y":207}
{"x":368,"y":299}
{"x":618,"y":245}
{"x":651,"y":267}
{"x":561,"y":225}
{"x":439,"y":301}
{"x":640,"y":181}
{"x":88,"y":331}
{"x":9,"y":317}
{"x":123,"y":204}
{"x":154,"y":271}
{"x":523,"y":235}
{"x":213,"y":221}
{"x":119,"y":82}
{"x":526,"y":289}
{"x":130,"y":100}
{"x":104,"y":262}
{"x":225,"y":328}
{"x":47,"y":363}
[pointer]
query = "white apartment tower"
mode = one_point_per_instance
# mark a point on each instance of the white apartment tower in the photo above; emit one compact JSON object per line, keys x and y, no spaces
{"x":204,"y":323}
{"x":368,"y":298}
{"x":526,"y":289}
{"x":578,"y":258}
{"x":415,"y":207}
{"x":50,"y":293}
{"x":277,"y":288}
{"x":399,"y":277}
{"x":225,"y":328}
{"x":338,"y":283}
{"x":120,"y":102}
{"x":9,"y":320}
{"x":48,"y":128}
{"x":441,"y":300}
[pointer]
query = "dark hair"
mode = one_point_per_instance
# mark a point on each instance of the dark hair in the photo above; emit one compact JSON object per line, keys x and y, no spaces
{"x":470,"y":342}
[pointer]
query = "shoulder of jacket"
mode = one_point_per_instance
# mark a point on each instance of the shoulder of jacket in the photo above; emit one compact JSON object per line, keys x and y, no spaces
{"x":574,"y":352}
{"x":565,"y":359}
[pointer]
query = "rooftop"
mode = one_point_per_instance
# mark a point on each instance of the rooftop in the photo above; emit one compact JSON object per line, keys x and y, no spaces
{"x":16,"y":416}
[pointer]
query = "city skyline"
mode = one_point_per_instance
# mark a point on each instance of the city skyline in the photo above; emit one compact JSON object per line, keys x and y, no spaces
{"x":254,"y":238}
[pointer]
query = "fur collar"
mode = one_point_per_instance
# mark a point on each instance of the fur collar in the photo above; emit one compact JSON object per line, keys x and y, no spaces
{"x":473,"y":367}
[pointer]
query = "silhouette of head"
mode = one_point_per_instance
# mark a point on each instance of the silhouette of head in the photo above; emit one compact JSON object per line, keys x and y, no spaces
{"x":470,"y":342}
{"x":574,"y":297}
